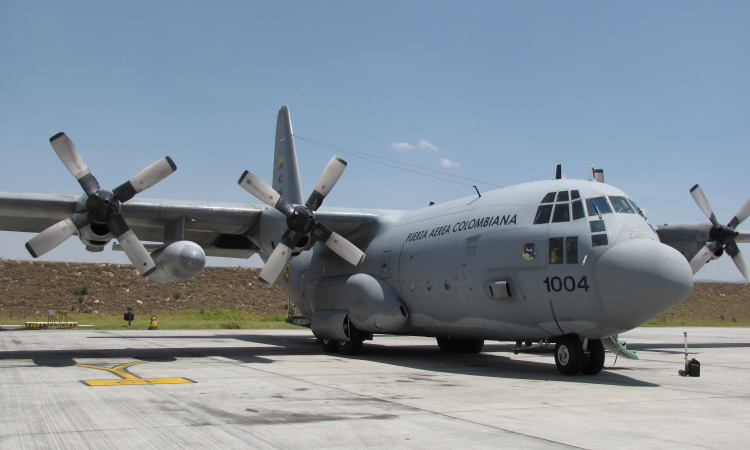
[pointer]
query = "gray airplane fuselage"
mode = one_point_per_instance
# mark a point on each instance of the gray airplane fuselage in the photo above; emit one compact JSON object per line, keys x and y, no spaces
{"x":593,"y":272}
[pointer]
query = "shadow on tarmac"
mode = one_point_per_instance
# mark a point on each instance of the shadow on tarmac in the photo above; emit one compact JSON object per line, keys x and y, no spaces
{"x":417,"y":357}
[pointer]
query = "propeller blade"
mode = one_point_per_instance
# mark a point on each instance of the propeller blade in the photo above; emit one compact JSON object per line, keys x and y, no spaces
{"x":131,"y":245}
{"x":741,"y":215}
{"x":57,"y":234}
{"x":741,"y":264}
{"x":262,"y":191}
{"x":327,"y":180}
{"x":275,"y":264}
{"x":734,"y":251}
{"x":702,"y":201}
{"x":338,"y":244}
{"x":743,"y":237}
{"x":146,"y":178}
{"x":69,"y":155}
{"x":701,"y":258}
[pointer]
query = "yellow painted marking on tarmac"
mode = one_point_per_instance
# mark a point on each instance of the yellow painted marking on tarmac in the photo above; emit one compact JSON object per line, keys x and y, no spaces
{"x":126,"y":378}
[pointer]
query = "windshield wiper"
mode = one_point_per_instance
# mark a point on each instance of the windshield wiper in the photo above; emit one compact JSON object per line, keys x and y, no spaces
{"x":597,"y":210}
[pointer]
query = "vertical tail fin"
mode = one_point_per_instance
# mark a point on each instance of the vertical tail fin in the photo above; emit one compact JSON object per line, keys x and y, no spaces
{"x":286,"y":180}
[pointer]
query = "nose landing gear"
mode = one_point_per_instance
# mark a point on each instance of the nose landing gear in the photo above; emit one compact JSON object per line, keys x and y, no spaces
{"x":573,"y":356}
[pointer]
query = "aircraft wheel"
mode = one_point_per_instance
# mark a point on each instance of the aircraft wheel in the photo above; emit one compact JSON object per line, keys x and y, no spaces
{"x":352,"y":346}
{"x":447,"y":344}
{"x":470,"y":345}
{"x":596,"y":361}
{"x":569,"y":355}
{"x":329,"y":345}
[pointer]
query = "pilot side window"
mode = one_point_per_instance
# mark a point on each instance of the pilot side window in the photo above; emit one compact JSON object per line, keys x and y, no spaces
{"x":563,"y":250}
{"x":543,"y":213}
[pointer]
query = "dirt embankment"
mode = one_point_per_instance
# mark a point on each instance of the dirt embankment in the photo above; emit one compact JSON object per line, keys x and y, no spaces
{"x":30,"y":288}
{"x":712,"y":303}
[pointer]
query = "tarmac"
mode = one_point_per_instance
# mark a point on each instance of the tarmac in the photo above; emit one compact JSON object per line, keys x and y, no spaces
{"x":276,"y":389}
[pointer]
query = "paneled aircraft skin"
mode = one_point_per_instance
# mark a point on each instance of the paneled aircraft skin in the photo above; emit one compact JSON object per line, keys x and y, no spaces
{"x":573,"y":262}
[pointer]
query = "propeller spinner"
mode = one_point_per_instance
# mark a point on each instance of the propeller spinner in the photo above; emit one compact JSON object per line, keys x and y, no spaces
{"x":301,"y":220}
{"x":102,"y":206}
{"x":722,"y":237}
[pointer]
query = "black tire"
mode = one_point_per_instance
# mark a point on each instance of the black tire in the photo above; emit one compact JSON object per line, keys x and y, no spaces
{"x":351,"y":346}
{"x":569,"y":355}
{"x":329,"y":345}
{"x":470,"y":345}
{"x":596,"y":360}
{"x":447,"y":344}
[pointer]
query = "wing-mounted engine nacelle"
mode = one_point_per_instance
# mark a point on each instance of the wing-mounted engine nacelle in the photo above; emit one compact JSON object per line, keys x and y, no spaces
{"x":366,"y":302}
{"x":96,"y":236}
{"x":178,"y":261}
{"x":686,"y":238}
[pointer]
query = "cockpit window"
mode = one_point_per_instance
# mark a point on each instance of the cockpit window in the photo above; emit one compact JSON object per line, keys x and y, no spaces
{"x":562,"y":196}
{"x":578,"y":210}
{"x":636,"y":207}
{"x":574,"y":195}
{"x":549,"y":198}
{"x":621,"y":205}
{"x":597,"y":205}
{"x":562,"y":213}
{"x":543,"y":214}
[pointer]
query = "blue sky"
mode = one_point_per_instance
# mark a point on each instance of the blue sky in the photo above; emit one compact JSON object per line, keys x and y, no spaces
{"x":655,"y":93}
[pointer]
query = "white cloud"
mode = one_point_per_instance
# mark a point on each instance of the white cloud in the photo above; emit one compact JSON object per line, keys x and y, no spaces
{"x":401,"y":147}
{"x":427,"y":146}
{"x":448,"y":163}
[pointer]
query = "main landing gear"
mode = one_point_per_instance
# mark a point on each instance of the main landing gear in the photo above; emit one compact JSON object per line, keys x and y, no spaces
{"x":460,"y":345}
{"x":571,"y":357}
{"x":351,"y":346}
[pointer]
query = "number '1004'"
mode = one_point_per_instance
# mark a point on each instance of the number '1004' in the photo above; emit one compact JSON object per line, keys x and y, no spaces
{"x":557,"y":284}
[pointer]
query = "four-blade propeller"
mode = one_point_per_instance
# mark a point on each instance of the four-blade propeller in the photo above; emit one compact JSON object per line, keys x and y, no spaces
{"x":102,"y":206}
{"x":301,"y":221}
{"x":722,"y":237}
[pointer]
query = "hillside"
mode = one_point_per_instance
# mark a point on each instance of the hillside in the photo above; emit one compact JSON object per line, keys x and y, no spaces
{"x":29,"y":288}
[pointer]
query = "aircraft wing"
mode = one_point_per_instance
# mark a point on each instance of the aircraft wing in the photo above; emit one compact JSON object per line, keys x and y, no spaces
{"x":222,"y":229}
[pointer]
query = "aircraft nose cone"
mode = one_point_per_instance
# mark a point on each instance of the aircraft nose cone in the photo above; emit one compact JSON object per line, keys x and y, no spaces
{"x":639,"y":279}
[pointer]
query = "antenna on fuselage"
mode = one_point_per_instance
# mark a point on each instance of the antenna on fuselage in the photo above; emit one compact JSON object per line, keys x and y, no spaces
{"x":558,"y":174}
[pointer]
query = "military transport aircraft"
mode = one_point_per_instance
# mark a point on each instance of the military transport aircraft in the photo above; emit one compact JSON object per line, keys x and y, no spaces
{"x":570,"y":262}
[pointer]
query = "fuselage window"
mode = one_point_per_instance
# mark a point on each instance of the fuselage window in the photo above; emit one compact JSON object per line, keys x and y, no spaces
{"x":574,"y":195}
{"x":621,"y":205}
{"x":571,"y":250}
{"x":578,"y":210}
{"x":562,"y":213}
{"x":543,"y":213}
{"x":549,"y":198}
{"x":556,"y":251}
{"x":598,"y":240}
{"x":562,"y":196}
{"x":597,"y":205}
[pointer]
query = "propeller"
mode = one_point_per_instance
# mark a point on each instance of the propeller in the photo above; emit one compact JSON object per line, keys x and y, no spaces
{"x":722,"y":238}
{"x":102,"y":206}
{"x":301,"y":220}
